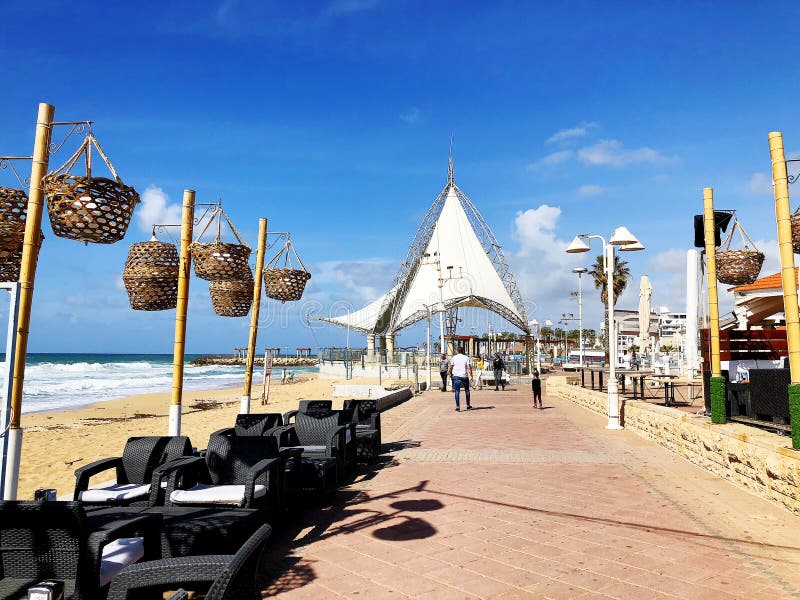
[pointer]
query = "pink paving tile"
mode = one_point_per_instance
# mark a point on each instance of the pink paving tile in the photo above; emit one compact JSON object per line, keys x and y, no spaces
{"x":577,"y":517}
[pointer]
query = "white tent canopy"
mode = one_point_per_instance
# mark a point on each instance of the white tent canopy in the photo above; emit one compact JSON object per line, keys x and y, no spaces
{"x":454,"y":261}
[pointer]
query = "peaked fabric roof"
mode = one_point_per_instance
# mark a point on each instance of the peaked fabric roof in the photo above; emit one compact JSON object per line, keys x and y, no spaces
{"x":453,"y":261}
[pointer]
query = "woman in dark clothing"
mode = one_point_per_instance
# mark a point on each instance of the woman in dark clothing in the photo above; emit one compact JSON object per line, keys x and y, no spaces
{"x":497,"y":366}
{"x":536,"y":386}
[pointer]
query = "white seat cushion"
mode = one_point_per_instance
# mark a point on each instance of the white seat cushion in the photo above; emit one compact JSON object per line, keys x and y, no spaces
{"x":309,"y":448}
{"x":215,"y":494}
{"x":119,"y":554}
{"x":115,"y":492}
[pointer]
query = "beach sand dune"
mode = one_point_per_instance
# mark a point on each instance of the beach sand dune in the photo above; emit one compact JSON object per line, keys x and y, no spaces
{"x":56,"y":443}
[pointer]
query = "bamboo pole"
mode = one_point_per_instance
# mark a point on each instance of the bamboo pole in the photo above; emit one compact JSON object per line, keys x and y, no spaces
{"x":788,"y":277}
{"x":717,"y":388}
{"x":27,"y":276}
{"x":251,"y":343}
{"x":184,"y":272}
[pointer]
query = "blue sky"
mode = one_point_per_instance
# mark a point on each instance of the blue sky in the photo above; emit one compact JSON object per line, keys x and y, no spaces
{"x":333,"y":118}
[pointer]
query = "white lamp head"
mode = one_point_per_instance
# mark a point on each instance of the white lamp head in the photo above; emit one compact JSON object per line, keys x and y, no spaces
{"x":631,"y":247}
{"x":577,"y":245}
{"x":580,"y":270}
{"x":622,"y":237}
{"x":548,"y":323}
{"x":533,"y":323}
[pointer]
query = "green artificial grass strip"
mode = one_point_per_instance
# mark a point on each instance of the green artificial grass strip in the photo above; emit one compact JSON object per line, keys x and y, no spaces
{"x":794,"y":413}
{"x":718,"y":400}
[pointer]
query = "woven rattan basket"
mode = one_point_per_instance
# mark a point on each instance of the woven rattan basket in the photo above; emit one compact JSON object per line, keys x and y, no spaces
{"x":282,"y":281}
{"x":87,"y":208}
{"x":796,"y":231}
{"x":232,"y":298}
{"x":285,"y":285}
{"x":738,"y":267}
{"x":220,"y":261}
{"x":151,"y":275}
{"x":13,"y":210}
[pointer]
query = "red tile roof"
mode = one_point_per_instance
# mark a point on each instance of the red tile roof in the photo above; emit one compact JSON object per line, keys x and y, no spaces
{"x":770,"y":282}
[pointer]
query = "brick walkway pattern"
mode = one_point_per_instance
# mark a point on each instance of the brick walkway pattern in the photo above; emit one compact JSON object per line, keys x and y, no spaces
{"x":506,"y":501}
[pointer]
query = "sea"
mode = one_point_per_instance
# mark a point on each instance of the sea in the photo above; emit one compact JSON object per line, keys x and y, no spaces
{"x":63,"y":381}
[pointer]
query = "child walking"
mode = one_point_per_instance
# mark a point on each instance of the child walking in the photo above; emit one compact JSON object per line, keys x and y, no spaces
{"x":536,"y":386}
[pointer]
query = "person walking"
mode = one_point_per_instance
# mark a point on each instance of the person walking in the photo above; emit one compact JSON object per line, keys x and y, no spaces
{"x":536,"y":386}
{"x":461,"y":372}
{"x":444,"y":368}
{"x":498,"y":366}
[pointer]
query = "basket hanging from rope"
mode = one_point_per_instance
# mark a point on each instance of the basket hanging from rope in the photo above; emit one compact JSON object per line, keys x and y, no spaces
{"x":795,"y":220}
{"x":282,"y":281}
{"x":218,"y":260}
{"x":738,"y":267}
{"x":232,"y":298}
{"x":13,"y":211}
{"x":87,"y":208}
{"x":151,"y":275}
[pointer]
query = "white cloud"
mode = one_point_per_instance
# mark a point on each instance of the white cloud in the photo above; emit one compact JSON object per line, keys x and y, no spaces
{"x":551,"y":160}
{"x":572,"y":133}
{"x":590,"y":190}
{"x":759,"y":184}
{"x":155,"y":208}
{"x":412,"y":116}
{"x":669,"y":261}
{"x":359,"y":282}
{"x":613,"y":154}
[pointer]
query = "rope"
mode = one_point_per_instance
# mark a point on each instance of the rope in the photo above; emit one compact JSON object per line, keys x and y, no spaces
{"x":86,"y":149}
{"x":286,"y":252}
{"x":217,"y":215}
{"x":726,"y":243}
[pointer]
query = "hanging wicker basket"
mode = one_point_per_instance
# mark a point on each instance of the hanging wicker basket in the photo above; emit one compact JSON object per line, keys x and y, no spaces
{"x":282,"y":281}
{"x":87,"y":208}
{"x":217,"y":260}
{"x":151,"y":275}
{"x":738,"y":267}
{"x":13,"y":211}
{"x":795,"y":220}
{"x":232,"y":298}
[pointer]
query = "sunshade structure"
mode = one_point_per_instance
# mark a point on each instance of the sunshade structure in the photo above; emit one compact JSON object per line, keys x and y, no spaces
{"x":454,"y":261}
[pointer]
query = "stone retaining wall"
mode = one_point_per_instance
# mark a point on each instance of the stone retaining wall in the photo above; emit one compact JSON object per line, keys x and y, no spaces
{"x":759,"y":461}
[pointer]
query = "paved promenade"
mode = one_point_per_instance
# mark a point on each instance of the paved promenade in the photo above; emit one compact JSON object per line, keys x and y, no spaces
{"x":505,"y":501}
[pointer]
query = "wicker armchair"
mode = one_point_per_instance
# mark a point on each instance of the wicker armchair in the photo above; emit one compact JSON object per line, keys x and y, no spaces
{"x":226,"y":577}
{"x":367,"y":419}
{"x":134,"y":472}
{"x":239,"y":471}
{"x":254,"y":424}
{"x":308,"y":407}
{"x":53,"y":540}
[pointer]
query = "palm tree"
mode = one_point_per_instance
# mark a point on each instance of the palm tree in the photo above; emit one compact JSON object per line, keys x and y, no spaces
{"x":620,"y":276}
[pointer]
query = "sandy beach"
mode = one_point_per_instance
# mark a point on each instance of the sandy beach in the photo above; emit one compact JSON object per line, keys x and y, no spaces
{"x":56,"y":443}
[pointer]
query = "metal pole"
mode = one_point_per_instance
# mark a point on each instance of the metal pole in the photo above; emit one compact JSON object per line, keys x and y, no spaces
{"x":580,"y":319}
{"x":244,"y":407}
{"x":27,"y":277}
{"x":613,"y":394}
{"x":788,"y":277}
{"x":717,"y":381}
{"x":184,"y":272}
{"x":428,"y":345}
{"x":11,"y":342}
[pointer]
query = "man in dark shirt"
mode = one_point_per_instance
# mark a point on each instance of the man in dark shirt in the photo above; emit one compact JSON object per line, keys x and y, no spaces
{"x":497,"y":366}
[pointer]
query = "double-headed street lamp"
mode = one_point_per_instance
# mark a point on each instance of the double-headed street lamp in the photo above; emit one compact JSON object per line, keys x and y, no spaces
{"x":580,"y":271}
{"x":628,"y":243}
{"x":535,"y":325}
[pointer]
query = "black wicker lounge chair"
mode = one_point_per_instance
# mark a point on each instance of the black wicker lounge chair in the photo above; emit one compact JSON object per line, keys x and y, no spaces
{"x":239,"y":471}
{"x":254,"y":424}
{"x":226,"y":577}
{"x":54,"y":540}
{"x":322,"y":437}
{"x":134,"y":472}
{"x":367,"y":419}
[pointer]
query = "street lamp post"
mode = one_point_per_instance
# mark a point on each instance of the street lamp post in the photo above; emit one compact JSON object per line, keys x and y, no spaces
{"x":627,"y":242}
{"x":580,"y":271}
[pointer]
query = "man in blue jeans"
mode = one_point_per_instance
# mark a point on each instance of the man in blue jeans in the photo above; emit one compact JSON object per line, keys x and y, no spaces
{"x":461,"y":371}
